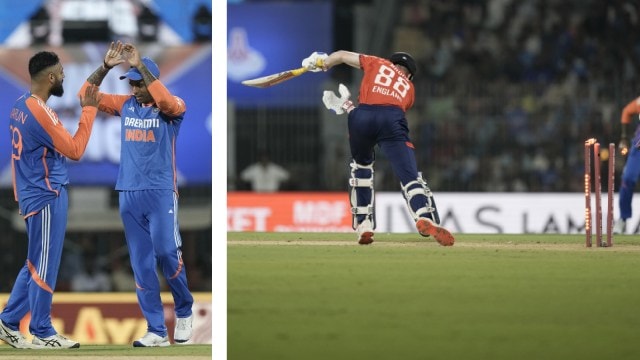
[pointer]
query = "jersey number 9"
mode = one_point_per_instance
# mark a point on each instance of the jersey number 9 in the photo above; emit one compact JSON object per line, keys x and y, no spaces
{"x":16,"y":142}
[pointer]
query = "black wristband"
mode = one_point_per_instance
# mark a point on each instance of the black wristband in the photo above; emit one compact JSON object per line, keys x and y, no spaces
{"x":104,"y":63}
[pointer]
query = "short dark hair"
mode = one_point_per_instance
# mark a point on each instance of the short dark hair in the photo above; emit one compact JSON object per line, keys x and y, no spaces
{"x":41,"y":61}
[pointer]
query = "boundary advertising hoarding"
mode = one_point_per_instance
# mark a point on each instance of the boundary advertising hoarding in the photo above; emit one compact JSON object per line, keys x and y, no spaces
{"x":115,"y":318}
{"x":490,"y":213}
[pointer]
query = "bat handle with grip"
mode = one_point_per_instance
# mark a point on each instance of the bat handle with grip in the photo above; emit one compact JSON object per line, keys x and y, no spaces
{"x":315,"y":62}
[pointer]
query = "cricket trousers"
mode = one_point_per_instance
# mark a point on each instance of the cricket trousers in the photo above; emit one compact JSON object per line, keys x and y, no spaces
{"x":629,"y":178}
{"x":36,"y":281}
{"x":387,"y":127}
{"x":150,"y":219}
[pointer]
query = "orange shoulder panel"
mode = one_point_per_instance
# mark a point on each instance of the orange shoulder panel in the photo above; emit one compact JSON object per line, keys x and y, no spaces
{"x":70,"y":146}
{"x":167,"y":103}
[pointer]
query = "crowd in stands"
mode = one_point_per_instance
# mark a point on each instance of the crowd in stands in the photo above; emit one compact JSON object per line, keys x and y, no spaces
{"x":507,"y":91}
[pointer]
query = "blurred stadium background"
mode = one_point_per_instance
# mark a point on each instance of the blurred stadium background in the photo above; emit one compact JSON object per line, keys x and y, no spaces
{"x":177,"y":35}
{"x":507,"y":92}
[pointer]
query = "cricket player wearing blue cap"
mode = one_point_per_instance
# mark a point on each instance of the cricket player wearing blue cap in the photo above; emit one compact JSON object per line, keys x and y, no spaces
{"x":147,"y":186}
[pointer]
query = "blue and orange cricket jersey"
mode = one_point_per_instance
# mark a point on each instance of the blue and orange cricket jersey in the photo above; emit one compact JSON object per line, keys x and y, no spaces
{"x":40,"y":145}
{"x":149,"y":133}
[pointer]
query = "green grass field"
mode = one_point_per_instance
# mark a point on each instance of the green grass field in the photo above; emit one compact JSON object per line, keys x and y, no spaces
{"x":188,"y":352}
{"x":322,"y":296}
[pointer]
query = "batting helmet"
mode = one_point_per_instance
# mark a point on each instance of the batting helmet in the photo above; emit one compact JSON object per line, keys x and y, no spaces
{"x":406,"y":60}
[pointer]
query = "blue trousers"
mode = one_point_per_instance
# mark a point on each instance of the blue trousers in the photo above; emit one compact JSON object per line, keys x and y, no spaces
{"x":150,"y":219}
{"x":385,"y":126}
{"x":630,"y":175}
{"x":36,"y":281}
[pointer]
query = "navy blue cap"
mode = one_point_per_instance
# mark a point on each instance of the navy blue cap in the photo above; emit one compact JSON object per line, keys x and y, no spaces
{"x":134,"y":73}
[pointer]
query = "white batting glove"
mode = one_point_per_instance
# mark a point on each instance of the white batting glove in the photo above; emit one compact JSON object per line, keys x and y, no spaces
{"x":315,"y":61}
{"x":338,"y":104}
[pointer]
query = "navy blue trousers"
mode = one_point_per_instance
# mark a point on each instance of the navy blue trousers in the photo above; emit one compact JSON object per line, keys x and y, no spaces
{"x":385,"y":126}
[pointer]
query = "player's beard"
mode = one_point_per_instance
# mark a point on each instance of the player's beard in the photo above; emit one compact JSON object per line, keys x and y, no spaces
{"x":57,"y":89}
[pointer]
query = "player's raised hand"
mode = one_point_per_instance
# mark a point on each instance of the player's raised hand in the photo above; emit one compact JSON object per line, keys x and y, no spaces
{"x":92,"y":96}
{"x":114,"y":55}
{"x":315,"y":61}
{"x":132,"y":55}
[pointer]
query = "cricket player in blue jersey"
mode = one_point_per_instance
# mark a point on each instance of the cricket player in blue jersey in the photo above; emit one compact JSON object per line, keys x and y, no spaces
{"x":40,"y":146}
{"x":147,"y":186}
{"x":631,"y":170}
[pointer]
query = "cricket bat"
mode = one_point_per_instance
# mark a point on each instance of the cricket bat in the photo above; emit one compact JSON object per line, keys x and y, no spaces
{"x":270,"y":80}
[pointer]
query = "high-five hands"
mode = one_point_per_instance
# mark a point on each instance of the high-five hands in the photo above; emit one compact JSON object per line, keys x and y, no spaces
{"x":92,"y":96}
{"x":115,"y":55}
{"x":119,"y":53}
{"x":132,"y":55}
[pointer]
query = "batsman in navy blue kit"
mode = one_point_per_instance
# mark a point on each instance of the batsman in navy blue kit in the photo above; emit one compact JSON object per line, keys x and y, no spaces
{"x":40,"y":148}
{"x":386,"y":93}
{"x":148,"y":193}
